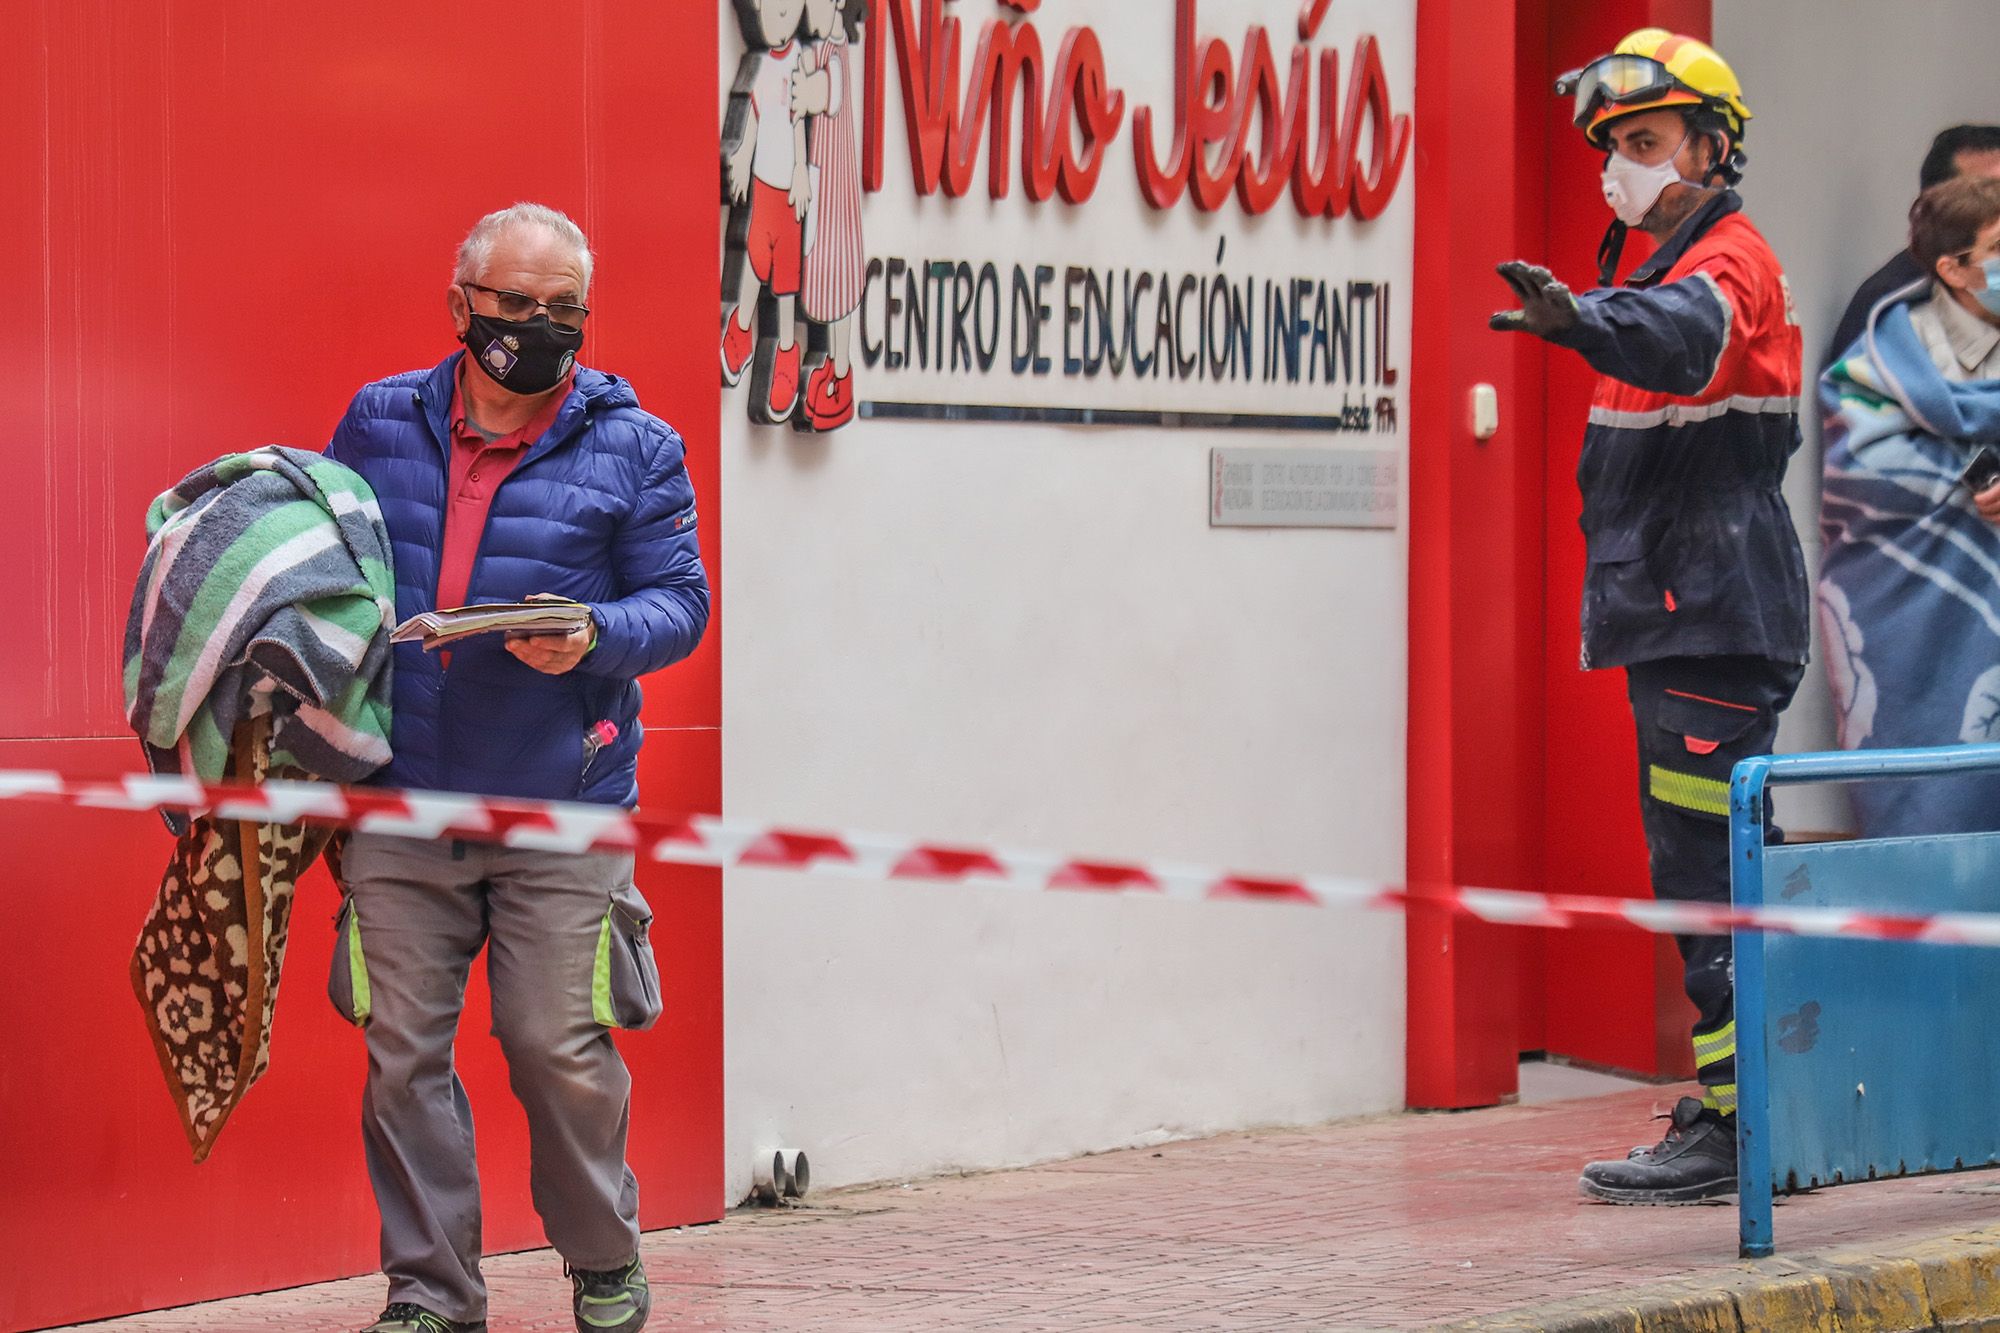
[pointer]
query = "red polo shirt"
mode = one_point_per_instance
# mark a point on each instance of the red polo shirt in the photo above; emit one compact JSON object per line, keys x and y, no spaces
{"x":477,"y":469}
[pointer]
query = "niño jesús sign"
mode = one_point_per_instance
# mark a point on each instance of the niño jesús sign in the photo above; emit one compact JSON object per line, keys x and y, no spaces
{"x":1239,"y":242}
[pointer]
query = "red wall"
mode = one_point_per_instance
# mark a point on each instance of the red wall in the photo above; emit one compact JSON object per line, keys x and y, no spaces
{"x":1475,"y":557}
{"x":1609,"y":998}
{"x":1522,"y":771}
{"x":223,"y":219}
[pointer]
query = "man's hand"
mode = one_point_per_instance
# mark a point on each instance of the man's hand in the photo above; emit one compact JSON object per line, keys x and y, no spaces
{"x":1987,"y":502}
{"x":1547,"y":308}
{"x":552,"y":654}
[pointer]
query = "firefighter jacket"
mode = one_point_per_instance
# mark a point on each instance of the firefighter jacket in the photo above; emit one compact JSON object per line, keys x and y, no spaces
{"x":1690,"y":545}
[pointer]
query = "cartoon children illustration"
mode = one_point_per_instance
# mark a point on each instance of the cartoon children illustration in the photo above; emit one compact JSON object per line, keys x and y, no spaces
{"x":822,"y":88}
{"x":764,"y":164}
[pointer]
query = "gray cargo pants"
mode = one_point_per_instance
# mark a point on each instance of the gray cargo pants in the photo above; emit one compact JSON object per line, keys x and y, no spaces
{"x":567,"y":958}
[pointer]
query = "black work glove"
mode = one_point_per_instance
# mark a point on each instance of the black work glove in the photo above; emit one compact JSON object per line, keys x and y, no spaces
{"x":1547,"y":308}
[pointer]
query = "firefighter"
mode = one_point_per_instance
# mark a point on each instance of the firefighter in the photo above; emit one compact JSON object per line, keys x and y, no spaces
{"x":1695,"y":582}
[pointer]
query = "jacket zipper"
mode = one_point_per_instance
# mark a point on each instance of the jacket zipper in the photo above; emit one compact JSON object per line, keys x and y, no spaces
{"x":444,"y":691}
{"x":444,"y":672}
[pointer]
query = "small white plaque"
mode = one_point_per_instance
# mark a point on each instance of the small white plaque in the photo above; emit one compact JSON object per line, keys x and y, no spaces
{"x":1304,"y":488}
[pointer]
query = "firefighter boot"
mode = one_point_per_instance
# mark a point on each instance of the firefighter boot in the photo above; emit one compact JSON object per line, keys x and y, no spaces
{"x":1695,"y":1161}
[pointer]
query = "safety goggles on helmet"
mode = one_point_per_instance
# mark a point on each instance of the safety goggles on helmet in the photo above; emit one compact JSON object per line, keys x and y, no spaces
{"x":1619,"y":81}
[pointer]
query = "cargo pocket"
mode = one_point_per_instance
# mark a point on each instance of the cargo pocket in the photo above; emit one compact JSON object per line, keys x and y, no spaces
{"x":1693,"y":750}
{"x":625,"y":984}
{"x":347,"y":979}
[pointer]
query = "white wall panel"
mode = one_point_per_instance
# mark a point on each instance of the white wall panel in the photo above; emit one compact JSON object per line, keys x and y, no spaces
{"x":1028,"y":633}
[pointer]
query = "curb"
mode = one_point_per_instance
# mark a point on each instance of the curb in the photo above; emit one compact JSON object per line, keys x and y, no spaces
{"x":1948,"y":1283}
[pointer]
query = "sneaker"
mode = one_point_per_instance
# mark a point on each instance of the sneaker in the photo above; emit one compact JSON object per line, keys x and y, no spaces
{"x":1695,"y":1161}
{"x":830,"y":405}
{"x":613,"y":1301}
{"x":737,"y":345}
{"x":403,"y":1317}
{"x":784,"y":394}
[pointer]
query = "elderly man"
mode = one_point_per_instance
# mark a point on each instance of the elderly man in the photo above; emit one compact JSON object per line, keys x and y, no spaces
{"x":508,"y":471}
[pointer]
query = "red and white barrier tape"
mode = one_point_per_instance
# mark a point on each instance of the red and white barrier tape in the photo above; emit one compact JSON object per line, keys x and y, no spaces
{"x":708,"y":840}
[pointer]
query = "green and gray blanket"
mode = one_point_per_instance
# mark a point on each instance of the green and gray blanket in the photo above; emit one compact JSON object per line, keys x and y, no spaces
{"x":258,"y":647}
{"x":266,"y":588}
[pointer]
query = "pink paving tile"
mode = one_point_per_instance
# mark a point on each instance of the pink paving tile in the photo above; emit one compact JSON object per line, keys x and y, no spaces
{"x":1392,"y":1222}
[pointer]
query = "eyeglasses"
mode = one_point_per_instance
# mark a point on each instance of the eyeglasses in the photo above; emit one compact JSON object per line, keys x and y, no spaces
{"x":519,"y":306}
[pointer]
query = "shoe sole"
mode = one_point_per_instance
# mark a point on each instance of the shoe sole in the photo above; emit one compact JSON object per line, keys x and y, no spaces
{"x":1678,"y":1198}
{"x":808,"y":422}
{"x":730,"y":379}
{"x":632,"y":1323}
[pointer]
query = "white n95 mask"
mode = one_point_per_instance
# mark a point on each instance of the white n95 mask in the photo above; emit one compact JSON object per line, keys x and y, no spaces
{"x":1632,"y":188}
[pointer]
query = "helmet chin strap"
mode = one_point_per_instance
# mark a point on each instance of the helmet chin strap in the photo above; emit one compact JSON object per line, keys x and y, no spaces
{"x":1609,"y":250}
{"x":1727,"y":154}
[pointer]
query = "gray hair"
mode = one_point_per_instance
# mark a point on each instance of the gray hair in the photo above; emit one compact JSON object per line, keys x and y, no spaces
{"x":477,"y":247}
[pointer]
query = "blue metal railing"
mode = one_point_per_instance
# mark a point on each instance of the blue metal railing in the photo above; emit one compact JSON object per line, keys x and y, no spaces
{"x":1869,"y":1031}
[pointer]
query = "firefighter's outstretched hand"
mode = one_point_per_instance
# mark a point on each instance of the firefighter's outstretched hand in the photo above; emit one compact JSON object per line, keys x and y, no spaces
{"x":1547,"y":308}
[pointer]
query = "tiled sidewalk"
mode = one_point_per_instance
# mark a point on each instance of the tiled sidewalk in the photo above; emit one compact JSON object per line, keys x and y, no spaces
{"x":1397,"y":1222}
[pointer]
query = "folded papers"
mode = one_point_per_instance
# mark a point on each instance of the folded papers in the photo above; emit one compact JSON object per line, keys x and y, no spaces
{"x":435,"y":629}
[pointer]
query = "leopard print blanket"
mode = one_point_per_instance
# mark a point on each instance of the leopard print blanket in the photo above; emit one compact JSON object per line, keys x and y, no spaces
{"x":207,"y":963}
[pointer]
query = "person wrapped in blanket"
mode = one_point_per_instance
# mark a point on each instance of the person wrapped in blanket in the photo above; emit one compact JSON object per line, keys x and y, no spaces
{"x":1909,"y":590}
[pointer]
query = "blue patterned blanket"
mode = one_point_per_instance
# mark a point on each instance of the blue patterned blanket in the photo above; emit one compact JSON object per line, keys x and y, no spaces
{"x":1909,"y":591}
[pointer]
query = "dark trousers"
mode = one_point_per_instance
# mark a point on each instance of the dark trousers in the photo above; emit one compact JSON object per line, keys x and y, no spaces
{"x":1696,"y":716}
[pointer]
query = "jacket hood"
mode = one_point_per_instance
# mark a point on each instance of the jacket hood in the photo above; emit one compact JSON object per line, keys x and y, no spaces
{"x":603,"y":390}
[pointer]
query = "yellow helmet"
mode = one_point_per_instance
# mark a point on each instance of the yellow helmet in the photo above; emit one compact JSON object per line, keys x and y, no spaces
{"x":1653,"y":68}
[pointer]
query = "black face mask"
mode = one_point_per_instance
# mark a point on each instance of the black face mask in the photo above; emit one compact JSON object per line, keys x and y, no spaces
{"x":526,"y":356}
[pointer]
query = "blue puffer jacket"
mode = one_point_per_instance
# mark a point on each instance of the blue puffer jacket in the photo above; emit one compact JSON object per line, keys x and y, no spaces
{"x":599,"y":510}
